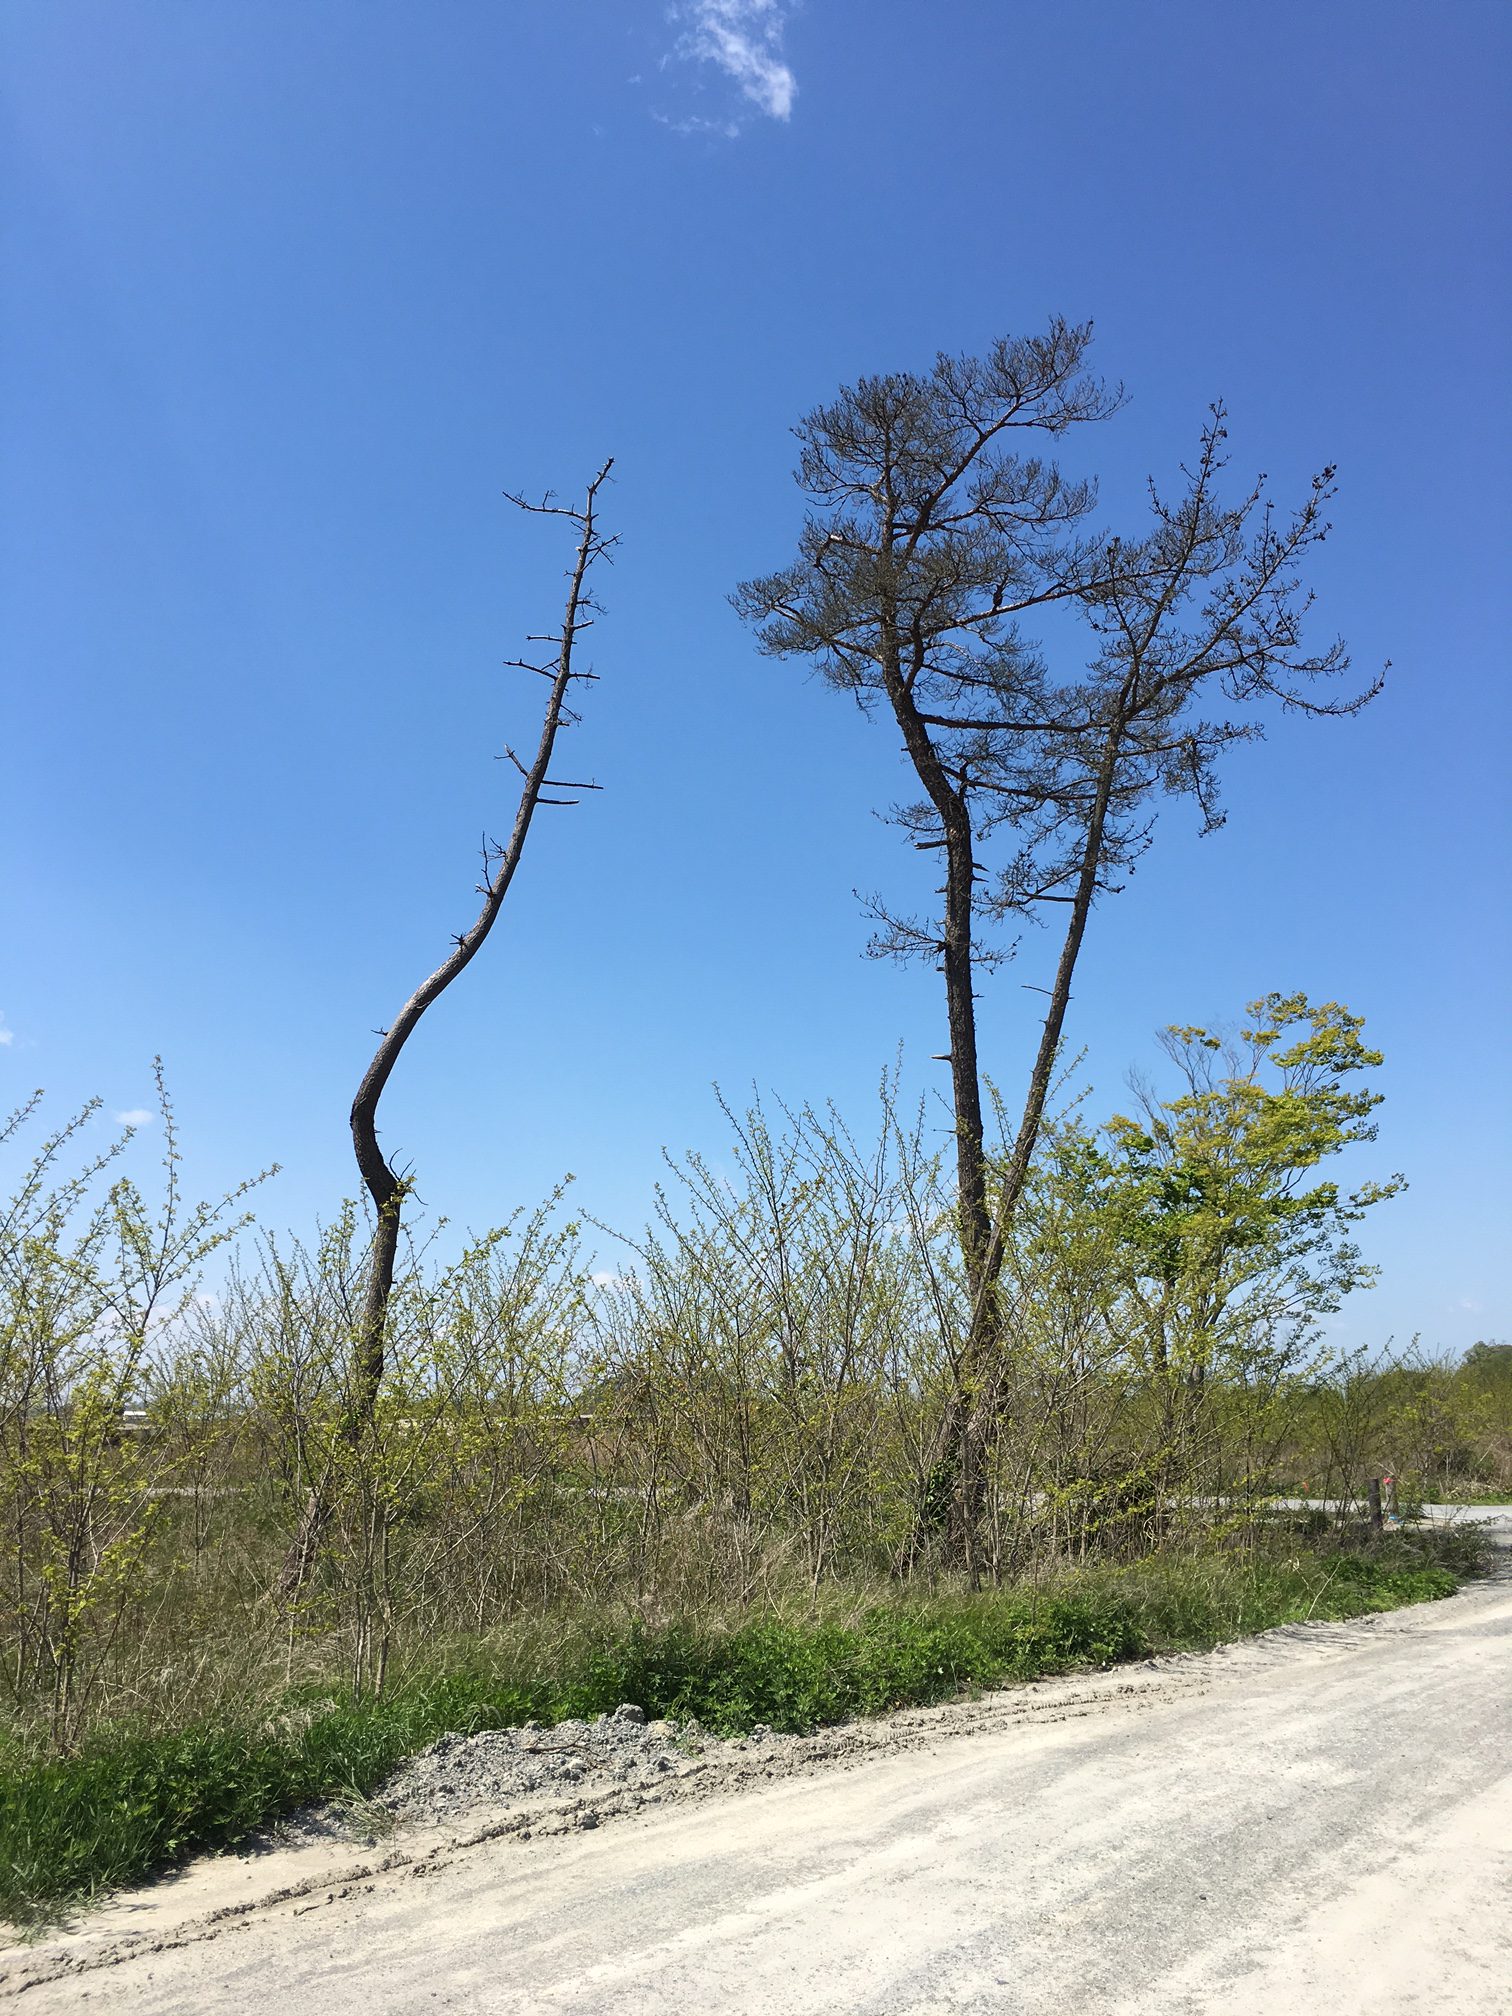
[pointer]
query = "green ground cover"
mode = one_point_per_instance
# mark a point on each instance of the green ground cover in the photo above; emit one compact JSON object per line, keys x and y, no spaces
{"x":134,"y":1800}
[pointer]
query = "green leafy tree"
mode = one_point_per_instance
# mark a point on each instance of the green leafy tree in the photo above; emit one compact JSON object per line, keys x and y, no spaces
{"x":1489,"y":1364}
{"x":1484,"y":1395}
{"x":1234,"y":1244}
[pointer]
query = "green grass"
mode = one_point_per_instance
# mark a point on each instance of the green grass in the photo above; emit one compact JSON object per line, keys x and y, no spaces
{"x":131,"y":1803}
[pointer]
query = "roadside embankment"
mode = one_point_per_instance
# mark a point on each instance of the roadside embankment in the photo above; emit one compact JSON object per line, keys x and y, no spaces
{"x":133,"y":1801}
{"x":1315,"y":1817}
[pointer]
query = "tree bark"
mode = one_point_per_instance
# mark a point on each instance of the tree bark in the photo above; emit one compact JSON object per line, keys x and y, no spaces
{"x":973,"y":1408}
{"x":965,"y":1078}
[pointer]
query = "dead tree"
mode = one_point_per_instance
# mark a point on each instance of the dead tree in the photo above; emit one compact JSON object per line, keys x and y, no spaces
{"x":930,"y":540}
{"x":928,"y":544}
{"x":387,"y":1187}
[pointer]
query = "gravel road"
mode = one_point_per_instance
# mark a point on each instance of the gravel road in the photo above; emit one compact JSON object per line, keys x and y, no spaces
{"x":1316,"y":1820}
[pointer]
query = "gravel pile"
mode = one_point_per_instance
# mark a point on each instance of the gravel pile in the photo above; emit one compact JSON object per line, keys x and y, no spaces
{"x":614,"y":1753}
{"x":561,"y":1777}
{"x":536,"y":1781}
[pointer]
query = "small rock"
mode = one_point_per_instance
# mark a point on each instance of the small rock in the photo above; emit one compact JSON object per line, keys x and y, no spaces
{"x":627,"y":1711}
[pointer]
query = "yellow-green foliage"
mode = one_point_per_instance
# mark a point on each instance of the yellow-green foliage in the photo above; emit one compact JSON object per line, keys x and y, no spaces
{"x":749,"y":1407}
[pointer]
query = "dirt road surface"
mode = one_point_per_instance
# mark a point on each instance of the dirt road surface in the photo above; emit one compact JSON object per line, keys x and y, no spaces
{"x":1315,"y":1821}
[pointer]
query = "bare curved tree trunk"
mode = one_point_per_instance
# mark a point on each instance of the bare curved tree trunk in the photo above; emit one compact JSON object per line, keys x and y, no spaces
{"x":385,"y":1186}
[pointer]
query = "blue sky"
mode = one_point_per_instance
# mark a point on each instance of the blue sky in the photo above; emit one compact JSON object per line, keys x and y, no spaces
{"x":292,"y":292}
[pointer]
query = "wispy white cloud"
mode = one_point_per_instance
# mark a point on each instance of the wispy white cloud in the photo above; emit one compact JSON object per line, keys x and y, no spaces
{"x":7,"y":1036}
{"x":136,"y":1116}
{"x":724,"y":129}
{"x":743,"y":38}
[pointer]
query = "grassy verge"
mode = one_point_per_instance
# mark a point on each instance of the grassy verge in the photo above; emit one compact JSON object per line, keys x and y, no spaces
{"x":132,"y":1802}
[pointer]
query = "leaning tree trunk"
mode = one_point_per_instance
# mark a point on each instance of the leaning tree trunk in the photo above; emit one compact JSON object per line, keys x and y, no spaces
{"x":386,"y":1188}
